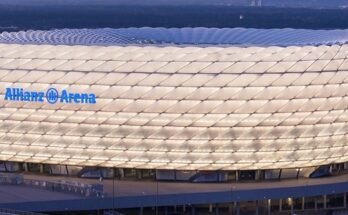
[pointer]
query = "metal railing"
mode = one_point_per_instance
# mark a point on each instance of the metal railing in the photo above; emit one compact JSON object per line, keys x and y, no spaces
{"x":88,"y":190}
{"x":112,"y":212}
{"x":6,"y":211}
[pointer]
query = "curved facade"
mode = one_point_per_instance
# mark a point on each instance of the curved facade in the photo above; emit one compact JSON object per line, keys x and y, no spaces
{"x":171,"y":107}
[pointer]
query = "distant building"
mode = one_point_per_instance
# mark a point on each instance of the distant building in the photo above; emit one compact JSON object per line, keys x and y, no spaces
{"x":256,"y":3}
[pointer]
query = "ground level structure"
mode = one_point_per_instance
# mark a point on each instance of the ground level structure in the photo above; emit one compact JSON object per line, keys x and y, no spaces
{"x":309,"y":195}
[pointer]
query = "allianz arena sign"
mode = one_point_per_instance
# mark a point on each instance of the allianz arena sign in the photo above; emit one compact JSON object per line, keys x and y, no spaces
{"x":51,"y":96}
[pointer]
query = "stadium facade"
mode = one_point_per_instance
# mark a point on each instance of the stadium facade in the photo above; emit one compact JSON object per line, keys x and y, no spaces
{"x":170,"y":107}
{"x":176,"y":99}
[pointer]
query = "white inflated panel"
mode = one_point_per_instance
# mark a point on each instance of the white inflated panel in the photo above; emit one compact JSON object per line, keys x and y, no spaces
{"x":177,"y":107}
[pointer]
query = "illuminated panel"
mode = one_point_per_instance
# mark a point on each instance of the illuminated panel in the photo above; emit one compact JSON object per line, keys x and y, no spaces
{"x":177,"y":107}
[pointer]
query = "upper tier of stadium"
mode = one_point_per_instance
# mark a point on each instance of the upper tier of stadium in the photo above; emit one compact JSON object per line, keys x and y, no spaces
{"x":178,"y":36}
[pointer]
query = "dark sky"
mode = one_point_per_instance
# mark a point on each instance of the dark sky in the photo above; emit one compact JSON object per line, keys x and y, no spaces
{"x":18,"y":15}
{"x":123,"y":2}
{"x":280,"y":3}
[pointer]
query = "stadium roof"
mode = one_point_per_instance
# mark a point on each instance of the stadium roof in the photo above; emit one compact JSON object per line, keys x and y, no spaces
{"x":178,"y":36}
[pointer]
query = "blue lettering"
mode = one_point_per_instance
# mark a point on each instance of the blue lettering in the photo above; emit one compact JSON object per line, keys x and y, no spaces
{"x":8,"y":94}
{"x":20,"y":94}
{"x":40,"y":97}
{"x":16,"y":94}
{"x":52,"y":95}
{"x":26,"y":96}
{"x":71,"y":97}
{"x":92,"y":99}
{"x":64,"y":97}
{"x":84,"y":98}
{"x":77,"y":98}
{"x":34,"y":96}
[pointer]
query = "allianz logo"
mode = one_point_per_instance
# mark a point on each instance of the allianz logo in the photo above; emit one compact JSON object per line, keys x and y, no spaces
{"x":52,"y":96}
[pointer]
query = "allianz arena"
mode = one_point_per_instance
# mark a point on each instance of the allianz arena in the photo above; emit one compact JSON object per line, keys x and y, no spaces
{"x":178,"y":99}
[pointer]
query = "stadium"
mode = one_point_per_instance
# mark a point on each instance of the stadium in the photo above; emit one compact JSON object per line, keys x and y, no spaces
{"x":225,"y":106}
